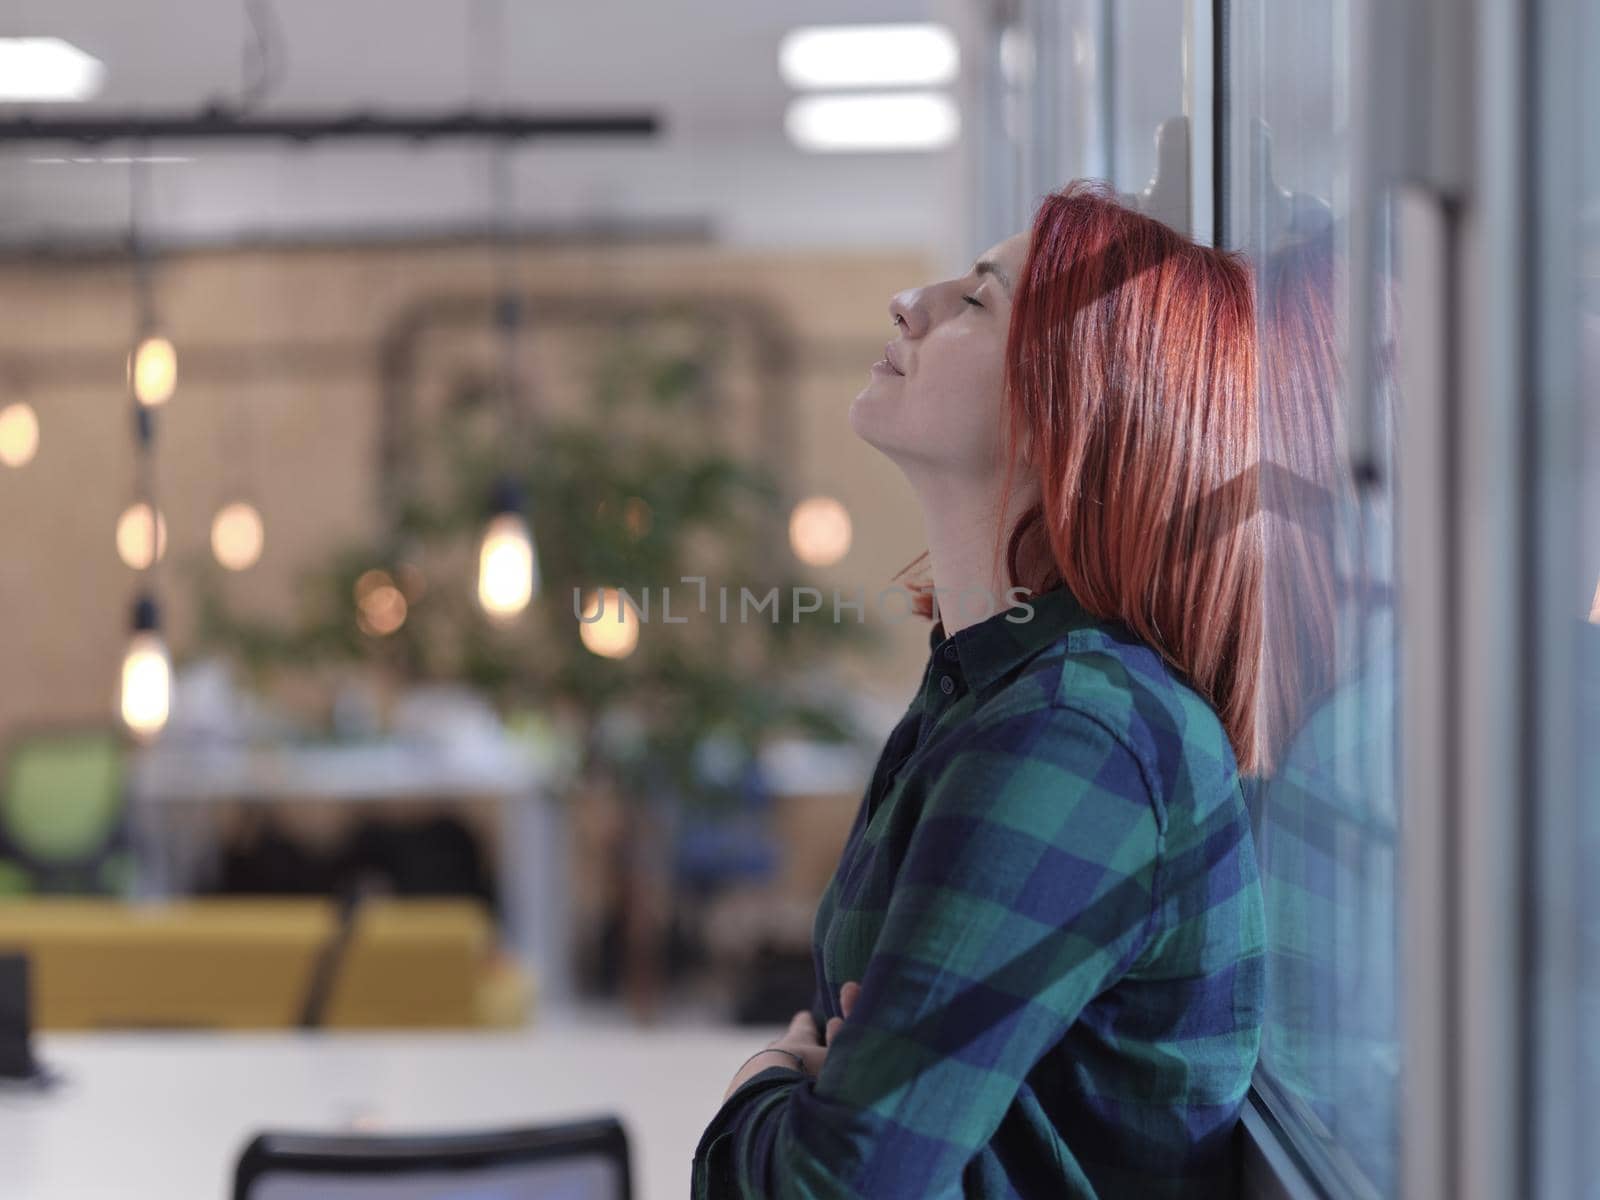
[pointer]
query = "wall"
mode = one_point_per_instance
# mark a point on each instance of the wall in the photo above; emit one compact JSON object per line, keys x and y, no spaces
{"x":278,"y":399}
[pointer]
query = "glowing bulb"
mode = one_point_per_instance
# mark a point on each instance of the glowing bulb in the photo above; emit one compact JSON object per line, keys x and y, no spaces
{"x":133,"y":536}
{"x":146,"y":674}
{"x":380,"y":606}
{"x":237,"y":536}
{"x":819,"y":531}
{"x":153,"y":369}
{"x":146,"y":684}
{"x":508,"y":570}
{"x":371,"y":580}
{"x":19,"y":435}
{"x":612,"y":633}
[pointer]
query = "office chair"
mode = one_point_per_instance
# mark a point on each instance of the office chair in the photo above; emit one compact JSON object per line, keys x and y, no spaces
{"x":576,"y":1160}
{"x":63,"y":820}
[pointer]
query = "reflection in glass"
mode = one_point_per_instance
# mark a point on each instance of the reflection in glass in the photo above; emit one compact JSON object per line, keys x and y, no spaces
{"x":1146,"y":84}
{"x":1326,"y":816}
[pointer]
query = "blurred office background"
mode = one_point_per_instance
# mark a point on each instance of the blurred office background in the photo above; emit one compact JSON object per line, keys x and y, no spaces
{"x":648,"y":335}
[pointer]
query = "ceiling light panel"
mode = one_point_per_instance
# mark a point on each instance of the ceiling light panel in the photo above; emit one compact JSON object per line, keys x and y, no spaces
{"x":47,"y":70}
{"x":844,"y":122}
{"x":849,"y":56}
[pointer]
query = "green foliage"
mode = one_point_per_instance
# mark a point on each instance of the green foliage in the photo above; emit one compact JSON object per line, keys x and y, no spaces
{"x":618,"y":498}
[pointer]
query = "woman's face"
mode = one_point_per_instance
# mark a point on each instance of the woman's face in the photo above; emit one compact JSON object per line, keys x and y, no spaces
{"x":933,"y":406}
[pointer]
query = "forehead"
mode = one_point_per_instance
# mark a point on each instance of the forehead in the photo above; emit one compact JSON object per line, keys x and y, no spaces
{"x":1009,"y":253}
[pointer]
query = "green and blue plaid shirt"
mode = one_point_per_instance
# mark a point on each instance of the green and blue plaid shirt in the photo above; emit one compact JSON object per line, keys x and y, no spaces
{"x":1050,"y":899}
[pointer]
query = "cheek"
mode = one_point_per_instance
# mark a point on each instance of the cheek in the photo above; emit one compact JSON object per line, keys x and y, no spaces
{"x":947,"y":413}
{"x":959,"y":388}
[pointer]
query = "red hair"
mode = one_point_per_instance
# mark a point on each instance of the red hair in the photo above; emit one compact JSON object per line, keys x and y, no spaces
{"x":1131,"y":375}
{"x":1304,"y":483}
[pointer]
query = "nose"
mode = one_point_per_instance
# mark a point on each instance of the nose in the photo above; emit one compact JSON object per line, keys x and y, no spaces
{"x":905,"y":310}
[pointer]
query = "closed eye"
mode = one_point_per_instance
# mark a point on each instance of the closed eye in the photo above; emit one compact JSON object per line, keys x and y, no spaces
{"x":972,"y":302}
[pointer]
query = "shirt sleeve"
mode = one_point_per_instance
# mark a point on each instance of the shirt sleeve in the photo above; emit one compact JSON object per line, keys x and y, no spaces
{"x":1028,"y":885}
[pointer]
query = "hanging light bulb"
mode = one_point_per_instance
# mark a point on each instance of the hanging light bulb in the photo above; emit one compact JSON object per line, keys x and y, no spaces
{"x":19,"y":434}
{"x":610,"y":627}
{"x":153,"y":371}
{"x":237,"y":536}
{"x":146,"y":674}
{"x":508,"y":564}
{"x":819,"y":531}
{"x":380,"y":606}
{"x":140,"y":541}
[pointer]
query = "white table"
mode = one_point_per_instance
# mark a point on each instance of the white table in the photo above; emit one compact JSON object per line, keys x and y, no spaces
{"x":163,"y":1116}
{"x":170,"y":779}
{"x":532,"y":859}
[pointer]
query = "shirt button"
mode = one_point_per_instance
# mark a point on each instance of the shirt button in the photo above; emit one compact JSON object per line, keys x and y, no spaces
{"x":946,"y":684}
{"x":950,"y":653}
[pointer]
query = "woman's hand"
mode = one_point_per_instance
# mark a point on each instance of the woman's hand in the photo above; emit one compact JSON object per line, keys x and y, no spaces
{"x":847,"y":1001}
{"x":799,"y":1039}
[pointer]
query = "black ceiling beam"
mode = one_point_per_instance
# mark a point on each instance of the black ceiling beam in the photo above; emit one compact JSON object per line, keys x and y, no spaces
{"x":226,"y":124}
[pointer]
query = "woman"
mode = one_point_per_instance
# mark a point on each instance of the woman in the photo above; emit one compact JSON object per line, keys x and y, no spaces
{"x":1039,"y":961}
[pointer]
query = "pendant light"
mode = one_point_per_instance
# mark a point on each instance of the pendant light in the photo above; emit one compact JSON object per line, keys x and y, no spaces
{"x":146,"y":679}
{"x":508,"y":563}
{"x":153,"y":368}
{"x":508,"y":558}
{"x":238,"y":531}
{"x":146,"y":673}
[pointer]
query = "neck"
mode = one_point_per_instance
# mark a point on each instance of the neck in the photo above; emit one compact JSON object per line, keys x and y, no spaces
{"x":969,"y":570}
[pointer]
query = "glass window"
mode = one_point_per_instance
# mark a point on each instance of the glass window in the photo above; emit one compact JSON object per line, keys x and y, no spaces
{"x":1144,"y":82}
{"x":1571,"y":803}
{"x":1325,"y":815}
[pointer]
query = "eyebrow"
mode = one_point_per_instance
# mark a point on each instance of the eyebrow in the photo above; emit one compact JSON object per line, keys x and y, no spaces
{"x":987,"y":266}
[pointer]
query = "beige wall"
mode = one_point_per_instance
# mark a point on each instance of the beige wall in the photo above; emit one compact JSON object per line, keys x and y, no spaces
{"x":278,"y":399}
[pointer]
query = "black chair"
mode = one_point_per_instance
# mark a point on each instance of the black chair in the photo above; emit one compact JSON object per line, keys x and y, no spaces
{"x":577,"y":1160}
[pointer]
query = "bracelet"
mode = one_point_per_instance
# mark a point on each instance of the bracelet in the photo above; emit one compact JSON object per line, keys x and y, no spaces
{"x":799,"y":1062}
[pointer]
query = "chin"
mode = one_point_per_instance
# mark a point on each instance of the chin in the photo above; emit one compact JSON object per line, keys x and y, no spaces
{"x":886,"y":418}
{"x":868,"y":418}
{"x":860,"y":417}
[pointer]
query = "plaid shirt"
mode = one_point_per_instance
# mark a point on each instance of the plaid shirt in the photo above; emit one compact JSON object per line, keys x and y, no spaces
{"x":1327,"y":843}
{"x":1049,"y":897}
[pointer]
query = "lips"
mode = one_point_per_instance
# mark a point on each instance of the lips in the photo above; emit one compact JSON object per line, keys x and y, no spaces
{"x":888,"y":357}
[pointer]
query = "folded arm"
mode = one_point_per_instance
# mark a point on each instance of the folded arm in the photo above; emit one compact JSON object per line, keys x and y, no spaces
{"x":1026,"y":888}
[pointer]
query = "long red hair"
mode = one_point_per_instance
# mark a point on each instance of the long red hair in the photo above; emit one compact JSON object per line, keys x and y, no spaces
{"x":1131,"y":373}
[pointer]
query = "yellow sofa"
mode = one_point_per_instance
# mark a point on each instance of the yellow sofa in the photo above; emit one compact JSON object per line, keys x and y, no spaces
{"x":248,"y":963}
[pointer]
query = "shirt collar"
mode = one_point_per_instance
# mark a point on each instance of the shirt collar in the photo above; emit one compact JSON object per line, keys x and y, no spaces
{"x":988,"y":649}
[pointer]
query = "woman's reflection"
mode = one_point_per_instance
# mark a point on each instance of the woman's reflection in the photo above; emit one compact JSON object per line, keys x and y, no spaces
{"x":1325,"y":816}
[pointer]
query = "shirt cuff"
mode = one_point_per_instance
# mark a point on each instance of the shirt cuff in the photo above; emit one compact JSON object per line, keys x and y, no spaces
{"x":715,"y":1178}
{"x":773,"y":1074}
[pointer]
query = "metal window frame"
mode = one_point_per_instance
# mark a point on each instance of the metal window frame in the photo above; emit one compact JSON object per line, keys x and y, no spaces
{"x":1270,"y":1166}
{"x":1551,"y":128}
{"x":1441,"y":133}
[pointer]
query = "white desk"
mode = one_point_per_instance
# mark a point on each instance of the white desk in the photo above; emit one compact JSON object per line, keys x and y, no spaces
{"x":532,"y":843}
{"x":163,"y":1116}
